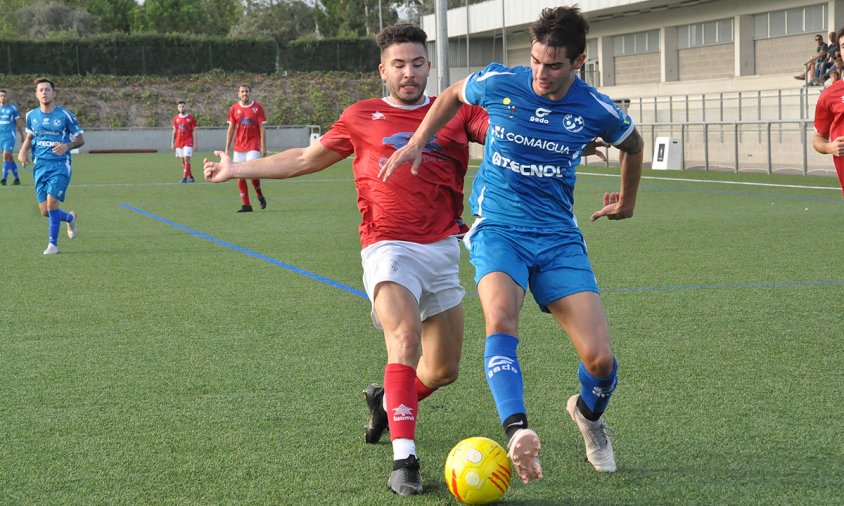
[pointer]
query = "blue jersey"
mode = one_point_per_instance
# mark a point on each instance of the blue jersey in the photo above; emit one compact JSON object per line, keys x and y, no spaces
{"x":8,"y":121}
{"x":49,"y":129}
{"x":534,"y":144}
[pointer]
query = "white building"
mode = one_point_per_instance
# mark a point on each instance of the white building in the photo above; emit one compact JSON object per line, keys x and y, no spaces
{"x":675,"y":60}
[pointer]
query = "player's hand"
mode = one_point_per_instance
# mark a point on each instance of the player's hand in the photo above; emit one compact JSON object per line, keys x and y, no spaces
{"x":592,"y":149}
{"x":836,"y":147}
{"x":217,"y":172}
{"x":60,"y":149}
{"x":614,"y":208}
{"x":406,"y":154}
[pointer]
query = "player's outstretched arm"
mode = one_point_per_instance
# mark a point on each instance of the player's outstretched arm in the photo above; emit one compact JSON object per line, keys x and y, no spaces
{"x":620,"y":205}
{"x":291,"y":163}
{"x":25,"y":145}
{"x":444,"y":108}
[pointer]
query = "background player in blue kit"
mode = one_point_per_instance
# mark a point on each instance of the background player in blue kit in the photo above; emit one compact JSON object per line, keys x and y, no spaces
{"x":526,"y":234}
{"x":51,"y":132}
{"x":10,"y":121}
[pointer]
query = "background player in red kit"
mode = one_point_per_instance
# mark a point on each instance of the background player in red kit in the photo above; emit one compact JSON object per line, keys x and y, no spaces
{"x":417,"y":304}
{"x":184,"y":139}
{"x":246,"y":127}
{"x":829,"y":122}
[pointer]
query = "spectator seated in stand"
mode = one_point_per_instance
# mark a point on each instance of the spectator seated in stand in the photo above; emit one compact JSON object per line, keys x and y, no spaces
{"x":820,"y":52}
{"x":825,"y":64}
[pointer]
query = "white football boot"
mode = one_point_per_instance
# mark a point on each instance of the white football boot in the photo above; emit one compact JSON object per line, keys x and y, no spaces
{"x":598,"y":445}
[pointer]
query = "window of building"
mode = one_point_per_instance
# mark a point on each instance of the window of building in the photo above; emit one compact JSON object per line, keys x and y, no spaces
{"x":636,"y":43}
{"x":705,"y":34}
{"x":790,"y":22}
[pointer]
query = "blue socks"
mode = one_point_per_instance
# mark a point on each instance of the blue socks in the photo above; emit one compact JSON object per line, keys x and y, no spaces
{"x":595,"y":392}
{"x":10,"y":166}
{"x":504,"y":375}
{"x":57,"y":216}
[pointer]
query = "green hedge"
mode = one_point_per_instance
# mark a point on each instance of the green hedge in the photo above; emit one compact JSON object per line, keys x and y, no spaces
{"x":156,"y":54}
{"x":349,"y":55}
{"x":137,"y":55}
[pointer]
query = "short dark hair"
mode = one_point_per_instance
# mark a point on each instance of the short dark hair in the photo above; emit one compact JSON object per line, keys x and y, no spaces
{"x":3,"y":91}
{"x":561,"y":27}
{"x":181,"y":102}
{"x":399,"y":34}
{"x":44,"y":80}
{"x":244,"y":86}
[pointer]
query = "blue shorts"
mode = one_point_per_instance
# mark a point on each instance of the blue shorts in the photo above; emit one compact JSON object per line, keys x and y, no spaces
{"x":553,"y":264}
{"x":7,"y":143}
{"x":51,"y":178}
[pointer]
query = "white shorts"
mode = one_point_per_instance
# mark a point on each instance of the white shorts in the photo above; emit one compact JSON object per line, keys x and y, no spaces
{"x":430,"y":271}
{"x":186,"y":151}
{"x":245,"y":156}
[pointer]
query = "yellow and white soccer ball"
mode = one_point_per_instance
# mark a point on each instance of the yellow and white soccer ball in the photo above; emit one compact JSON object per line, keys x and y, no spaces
{"x":477,"y":471}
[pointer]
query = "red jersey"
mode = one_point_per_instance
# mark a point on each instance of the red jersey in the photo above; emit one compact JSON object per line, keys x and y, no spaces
{"x":184,"y":126}
{"x":247,"y":120}
{"x":829,"y":120}
{"x":421,"y":208}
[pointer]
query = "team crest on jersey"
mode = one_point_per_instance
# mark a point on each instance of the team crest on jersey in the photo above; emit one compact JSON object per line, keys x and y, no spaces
{"x":573,"y":123}
{"x":377,"y":115}
{"x":255,"y":110}
{"x":57,"y":122}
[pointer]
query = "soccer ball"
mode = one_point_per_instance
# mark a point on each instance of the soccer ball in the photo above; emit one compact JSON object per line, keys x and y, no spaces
{"x":477,"y":471}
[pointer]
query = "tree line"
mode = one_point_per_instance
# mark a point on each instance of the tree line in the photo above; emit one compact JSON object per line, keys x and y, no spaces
{"x":282,"y":20}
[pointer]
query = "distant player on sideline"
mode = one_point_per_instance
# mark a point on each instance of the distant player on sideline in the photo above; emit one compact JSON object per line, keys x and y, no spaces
{"x":52,"y":132}
{"x":418,"y":305}
{"x":829,"y":122}
{"x":542,"y":117}
{"x":246,"y":127}
{"x":184,"y":139}
{"x":10,"y":121}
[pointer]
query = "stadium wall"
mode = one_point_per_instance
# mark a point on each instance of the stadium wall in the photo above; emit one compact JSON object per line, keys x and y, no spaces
{"x":278,"y":138}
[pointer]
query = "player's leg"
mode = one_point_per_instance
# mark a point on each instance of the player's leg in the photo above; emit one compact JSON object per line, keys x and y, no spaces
{"x":501,"y":299}
{"x":838,"y":161}
{"x":187,"y":152}
{"x":583,"y":318}
{"x":398,"y":313}
{"x":9,"y":166}
{"x":256,"y":183}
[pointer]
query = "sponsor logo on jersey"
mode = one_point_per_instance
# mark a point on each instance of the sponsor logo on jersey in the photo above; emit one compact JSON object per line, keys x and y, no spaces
{"x":539,"y":116}
{"x":528,"y":169}
{"x":377,"y":115}
{"x":500,"y":133}
{"x":500,"y":363}
{"x":402,"y":413}
{"x":573,"y":123}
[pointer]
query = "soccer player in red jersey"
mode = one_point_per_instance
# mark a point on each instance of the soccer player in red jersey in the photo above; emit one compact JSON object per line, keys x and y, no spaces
{"x":418,"y":305}
{"x":246,"y":127}
{"x":184,"y":139}
{"x":829,"y":122}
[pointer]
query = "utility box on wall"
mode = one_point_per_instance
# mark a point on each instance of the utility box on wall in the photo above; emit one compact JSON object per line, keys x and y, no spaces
{"x":668,"y":154}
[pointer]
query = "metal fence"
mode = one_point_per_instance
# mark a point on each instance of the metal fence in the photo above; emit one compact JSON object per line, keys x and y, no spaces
{"x":742,"y":146}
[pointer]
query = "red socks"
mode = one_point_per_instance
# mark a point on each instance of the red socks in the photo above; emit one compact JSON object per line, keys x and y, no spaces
{"x":400,"y":390}
{"x":244,"y":191}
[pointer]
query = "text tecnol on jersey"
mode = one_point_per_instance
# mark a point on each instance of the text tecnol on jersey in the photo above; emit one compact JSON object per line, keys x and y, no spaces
{"x":530,"y":170}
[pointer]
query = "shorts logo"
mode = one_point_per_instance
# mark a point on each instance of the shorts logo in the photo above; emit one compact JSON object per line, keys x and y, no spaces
{"x":500,"y":363}
{"x":573,"y":123}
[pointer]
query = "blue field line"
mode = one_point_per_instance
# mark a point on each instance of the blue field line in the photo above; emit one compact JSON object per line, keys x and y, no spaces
{"x":727,"y":286}
{"x":265,"y":258}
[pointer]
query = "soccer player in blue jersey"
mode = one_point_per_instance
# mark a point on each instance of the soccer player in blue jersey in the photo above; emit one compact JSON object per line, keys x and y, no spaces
{"x":10,"y":121}
{"x":526,"y":234}
{"x":52,"y":132}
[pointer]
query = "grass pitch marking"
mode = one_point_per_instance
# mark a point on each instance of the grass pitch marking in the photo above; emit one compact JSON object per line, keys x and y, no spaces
{"x":254,"y":254}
